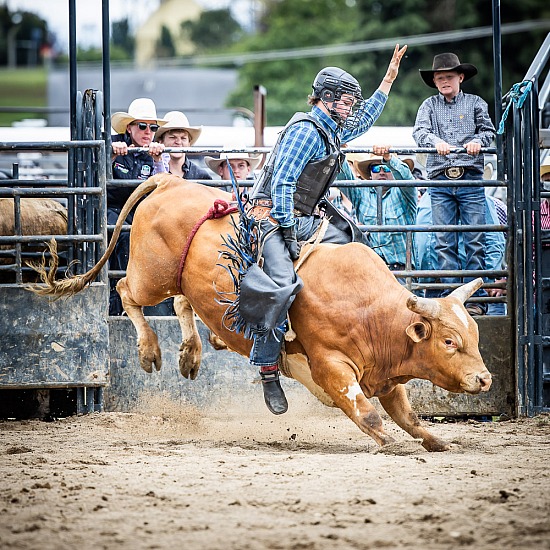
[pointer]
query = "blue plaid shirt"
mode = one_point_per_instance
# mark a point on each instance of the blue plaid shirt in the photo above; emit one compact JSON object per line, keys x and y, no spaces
{"x":303,"y":143}
{"x":398,"y":208}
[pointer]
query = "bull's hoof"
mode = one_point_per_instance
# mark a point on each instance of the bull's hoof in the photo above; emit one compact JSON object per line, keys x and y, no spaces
{"x":147,"y":362}
{"x":435,"y":445}
{"x":189,"y":361}
{"x":216,"y":342}
{"x":149,"y":357}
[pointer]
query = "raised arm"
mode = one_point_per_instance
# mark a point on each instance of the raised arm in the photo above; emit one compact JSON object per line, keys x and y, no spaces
{"x":393,"y":69}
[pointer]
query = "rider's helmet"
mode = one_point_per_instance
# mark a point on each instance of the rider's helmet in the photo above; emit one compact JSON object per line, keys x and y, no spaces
{"x":330,"y":84}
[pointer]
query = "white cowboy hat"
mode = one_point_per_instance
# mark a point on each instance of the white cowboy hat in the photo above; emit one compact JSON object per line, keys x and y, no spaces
{"x":141,"y":108}
{"x":214,"y":163}
{"x":545,"y":166}
{"x":176,"y":120}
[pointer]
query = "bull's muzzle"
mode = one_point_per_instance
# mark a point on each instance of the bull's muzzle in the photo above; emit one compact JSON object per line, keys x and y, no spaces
{"x":478,"y":382}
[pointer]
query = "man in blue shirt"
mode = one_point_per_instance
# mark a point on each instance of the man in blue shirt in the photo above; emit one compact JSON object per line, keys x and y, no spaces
{"x":398,"y":203}
{"x":302,"y":166}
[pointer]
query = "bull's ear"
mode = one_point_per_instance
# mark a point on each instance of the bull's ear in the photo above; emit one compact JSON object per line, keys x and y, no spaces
{"x":419,"y":331}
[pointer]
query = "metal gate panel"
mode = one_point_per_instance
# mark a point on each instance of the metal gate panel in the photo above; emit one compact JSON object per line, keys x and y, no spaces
{"x":59,"y":344}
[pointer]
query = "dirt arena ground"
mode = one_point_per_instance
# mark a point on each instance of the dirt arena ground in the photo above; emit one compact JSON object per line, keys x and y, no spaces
{"x":173,"y":477}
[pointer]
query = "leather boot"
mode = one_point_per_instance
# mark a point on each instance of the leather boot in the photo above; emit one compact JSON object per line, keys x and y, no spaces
{"x":274,"y":395}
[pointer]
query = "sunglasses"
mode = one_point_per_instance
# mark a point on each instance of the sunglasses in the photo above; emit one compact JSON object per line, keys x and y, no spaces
{"x":377,"y":168}
{"x":144,"y":126}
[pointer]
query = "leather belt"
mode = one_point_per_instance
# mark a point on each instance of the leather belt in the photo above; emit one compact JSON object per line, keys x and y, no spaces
{"x":454,"y":172}
{"x":260,"y":212}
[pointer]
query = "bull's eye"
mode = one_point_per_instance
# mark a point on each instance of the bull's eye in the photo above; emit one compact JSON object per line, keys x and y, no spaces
{"x":450,"y":343}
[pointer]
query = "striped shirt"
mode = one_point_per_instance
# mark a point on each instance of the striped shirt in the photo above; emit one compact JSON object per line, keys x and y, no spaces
{"x":302,"y":143}
{"x":463,"y":119}
{"x":398,"y":208}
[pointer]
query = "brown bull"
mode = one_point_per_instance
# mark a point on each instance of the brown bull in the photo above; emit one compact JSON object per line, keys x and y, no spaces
{"x":359,"y":333}
{"x":39,"y":216}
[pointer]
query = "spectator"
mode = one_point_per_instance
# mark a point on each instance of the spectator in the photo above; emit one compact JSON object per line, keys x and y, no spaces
{"x":446,"y":121}
{"x":134,"y":128}
{"x":178,"y":133}
{"x":398,"y":203}
{"x":495,"y":247}
{"x":300,"y":169}
{"x":242,"y":164}
{"x":544,"y":203}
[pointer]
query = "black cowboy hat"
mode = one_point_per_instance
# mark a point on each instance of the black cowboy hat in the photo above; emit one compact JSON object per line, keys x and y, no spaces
{"x":447,"y":62}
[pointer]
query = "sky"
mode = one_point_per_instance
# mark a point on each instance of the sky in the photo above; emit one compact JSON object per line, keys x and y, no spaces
{"x":88,"y":15}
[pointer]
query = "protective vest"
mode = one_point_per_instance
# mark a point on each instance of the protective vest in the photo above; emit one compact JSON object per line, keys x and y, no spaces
{"x":317,"y":176}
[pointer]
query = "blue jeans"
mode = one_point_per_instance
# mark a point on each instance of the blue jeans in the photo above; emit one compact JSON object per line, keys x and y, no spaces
{"x":451,"y":205}
{"x":280,"y":268}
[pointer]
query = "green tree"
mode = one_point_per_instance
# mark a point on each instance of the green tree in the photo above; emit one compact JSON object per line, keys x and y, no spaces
{"x":214,"y":30}
{"x":94,"y":55}
{"x":165,"y":43}
{"x":286,"y":24}
{"x":25,"y":28}
{"x":122,"y":38}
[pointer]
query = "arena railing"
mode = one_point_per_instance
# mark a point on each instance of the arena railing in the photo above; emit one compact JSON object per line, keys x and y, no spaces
{"x":83,"y":193}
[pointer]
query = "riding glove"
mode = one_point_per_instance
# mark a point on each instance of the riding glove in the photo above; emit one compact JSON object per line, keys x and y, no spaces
{"x":289,"y":236}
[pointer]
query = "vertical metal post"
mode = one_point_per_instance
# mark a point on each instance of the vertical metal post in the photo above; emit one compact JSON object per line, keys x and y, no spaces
{"x":17,"y":225}
{"x":105,"y":27}
{"x":519,"y":280}
{"x":512,"y":249}
{"x":497,"y":63}
{"x":538,"y":352}
{"x":259,"y":115}
{"x":529,"y":335}
{"x":72,"y":65}
{"x":72,"y":154}
{"x":102,"y":212}
{"x":409,"y":257}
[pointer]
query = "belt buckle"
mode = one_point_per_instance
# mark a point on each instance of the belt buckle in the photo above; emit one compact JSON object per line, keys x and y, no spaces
{"x":454,"y":172}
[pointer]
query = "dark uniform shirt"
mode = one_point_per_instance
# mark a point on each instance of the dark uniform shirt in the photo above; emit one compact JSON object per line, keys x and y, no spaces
{"x":133,"y":166}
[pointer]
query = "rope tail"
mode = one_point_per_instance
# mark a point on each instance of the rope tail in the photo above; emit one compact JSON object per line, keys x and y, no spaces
{"x":72,"y":285}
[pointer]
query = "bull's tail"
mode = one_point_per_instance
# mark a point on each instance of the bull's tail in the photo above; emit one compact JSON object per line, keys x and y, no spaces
{"x":73,"y":285}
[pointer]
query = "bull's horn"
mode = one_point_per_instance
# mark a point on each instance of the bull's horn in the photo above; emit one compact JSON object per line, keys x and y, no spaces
{"x":426,"y":307}
{"x":463,"y":292}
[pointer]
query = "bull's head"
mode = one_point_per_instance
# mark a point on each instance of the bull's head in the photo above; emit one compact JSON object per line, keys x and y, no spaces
{"x":448,"y":339}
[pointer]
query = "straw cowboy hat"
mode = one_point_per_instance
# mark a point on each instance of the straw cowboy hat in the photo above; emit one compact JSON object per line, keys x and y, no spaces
{"x":545,"y":166}
{"x":141,"y":108}
{"x":176,"y":120}
{"x":214,"y":163}
{"x":447,"y":62}
{"x":362,"y":163}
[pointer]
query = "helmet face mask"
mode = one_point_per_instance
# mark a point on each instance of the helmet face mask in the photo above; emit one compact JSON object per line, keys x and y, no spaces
{"x":329,"y":86}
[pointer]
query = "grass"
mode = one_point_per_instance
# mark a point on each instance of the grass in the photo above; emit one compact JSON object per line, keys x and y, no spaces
{"x":22,"y":88}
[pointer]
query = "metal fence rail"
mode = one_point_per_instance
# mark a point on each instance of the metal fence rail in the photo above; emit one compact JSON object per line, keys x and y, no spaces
{"x":84,"y":199}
